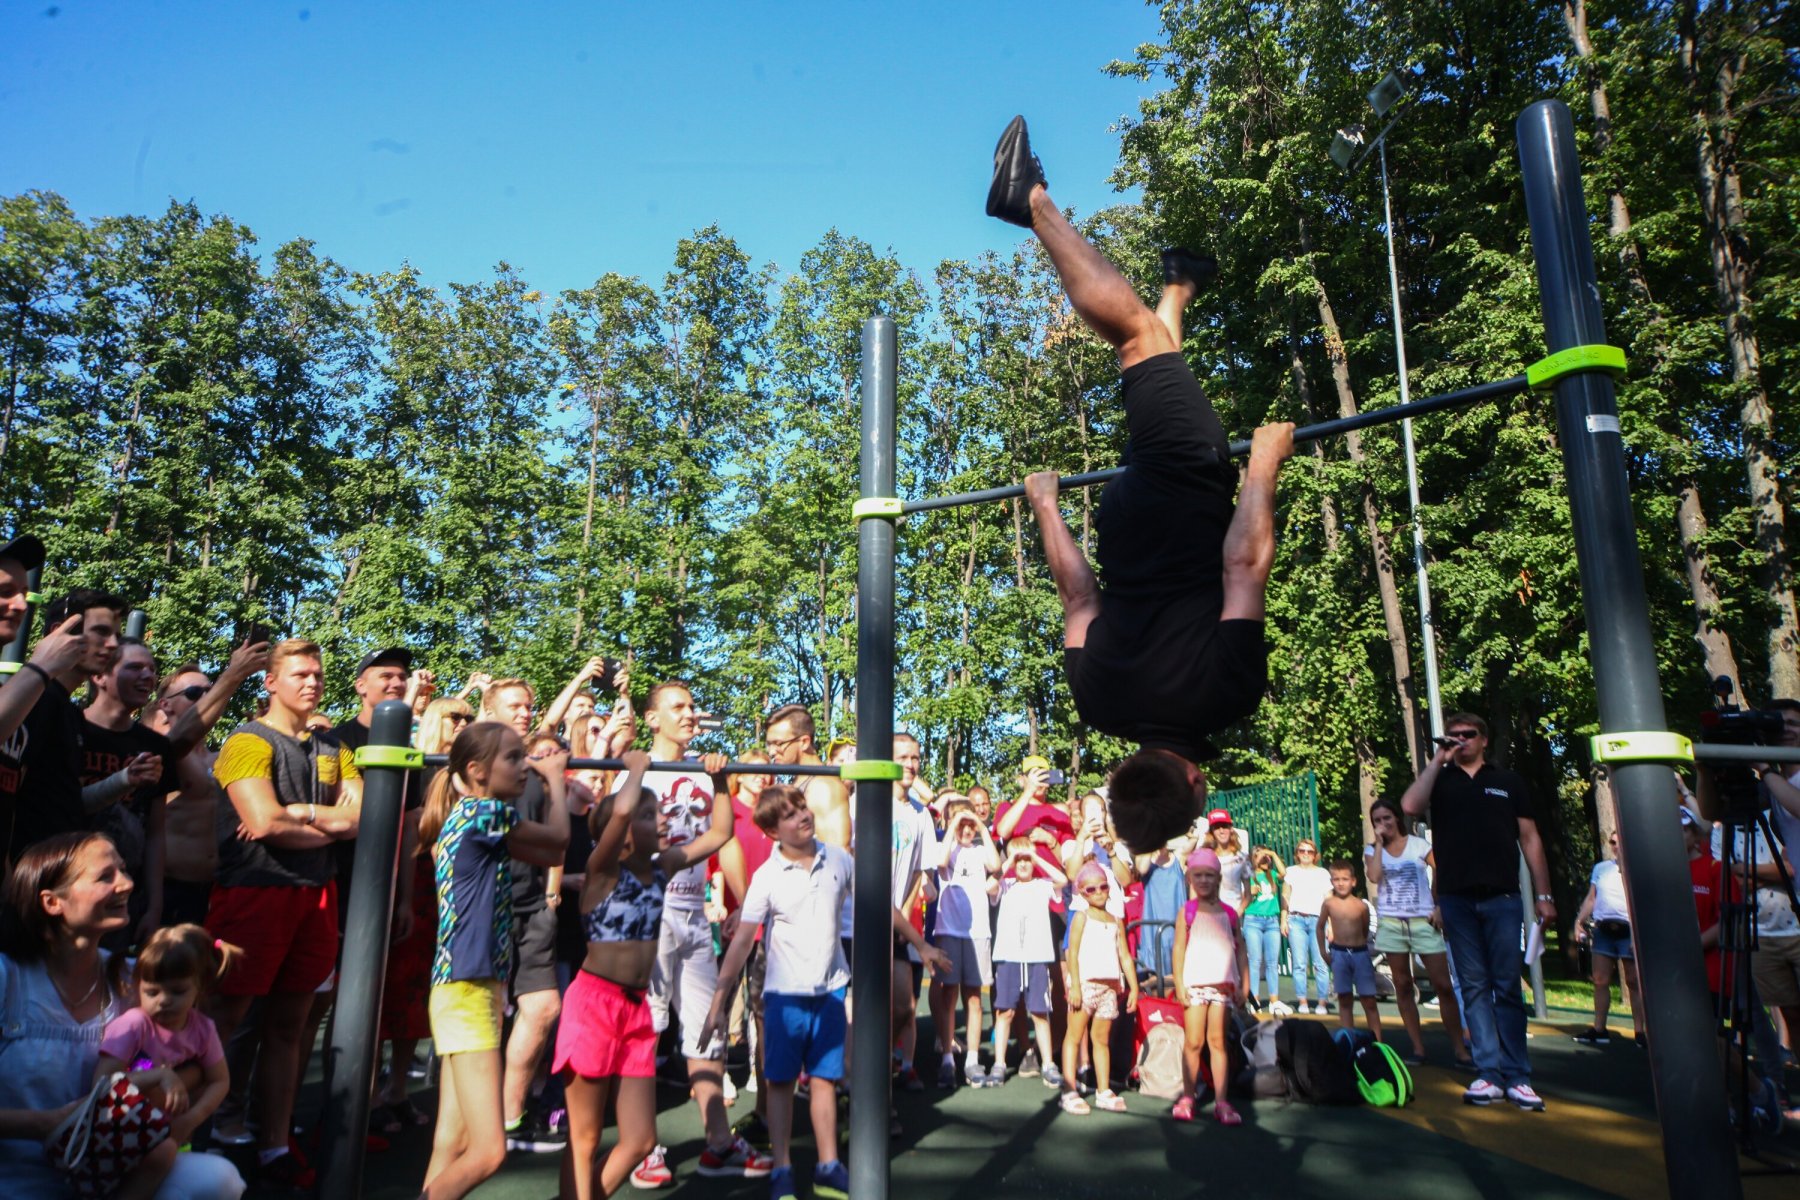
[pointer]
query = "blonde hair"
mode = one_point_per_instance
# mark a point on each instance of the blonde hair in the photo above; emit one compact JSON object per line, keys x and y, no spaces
{"x":292,"y":648}
{"x":435,"y":730}
{"x":504,"y":685}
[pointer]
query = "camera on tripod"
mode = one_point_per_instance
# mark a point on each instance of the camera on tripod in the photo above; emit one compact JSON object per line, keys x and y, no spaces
{"x":1739,"y":793}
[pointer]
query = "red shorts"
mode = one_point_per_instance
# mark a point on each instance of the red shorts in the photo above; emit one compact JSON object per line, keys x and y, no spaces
{"x":289,"y":936}
{"x":604,"y":1030}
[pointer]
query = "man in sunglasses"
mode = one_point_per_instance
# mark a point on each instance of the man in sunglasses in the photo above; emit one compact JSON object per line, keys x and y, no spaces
{"x":187,"y":706}
{"x":1481,"y":818}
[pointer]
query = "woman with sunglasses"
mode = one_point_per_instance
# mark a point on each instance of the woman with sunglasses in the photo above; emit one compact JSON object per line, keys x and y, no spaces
{"x":1305,"y":886}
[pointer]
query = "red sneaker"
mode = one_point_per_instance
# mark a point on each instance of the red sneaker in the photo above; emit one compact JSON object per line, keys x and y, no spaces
{"x":739,"y":1158}
{"x":654,"y":1171}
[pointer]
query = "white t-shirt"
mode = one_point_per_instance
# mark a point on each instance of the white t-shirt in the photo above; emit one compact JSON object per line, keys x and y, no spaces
{"x":1307,"y":889}
{"x":1022,"y":930}
{"x":1775,"y":917}
{"x":1609,"y":892}
{"x":962,"y":907}
{"x":685,"y":800}
{"x":1234,"y":878}
{"x":797,"y":904}
{"x":915,"y":848}
{"x":1405,"y":889}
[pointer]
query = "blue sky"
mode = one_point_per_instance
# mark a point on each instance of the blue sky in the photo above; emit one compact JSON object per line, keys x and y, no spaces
{"x":568,"y":139}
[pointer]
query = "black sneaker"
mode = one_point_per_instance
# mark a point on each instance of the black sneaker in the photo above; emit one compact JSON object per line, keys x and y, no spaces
{"x":288,"y":1173}
{"x":534,"y":1135}
{"x":753,"y":1129}
{"x":1181,"y":265}
{"x":1594,"y":1037}
{"x":1016,"y":171}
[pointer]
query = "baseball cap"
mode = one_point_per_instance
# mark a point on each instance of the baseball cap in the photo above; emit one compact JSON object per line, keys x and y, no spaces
{"x":25,"y":550}
{"x":1218,"y":816}
{"x":393,"y":656}
{"x":1034,"y":762}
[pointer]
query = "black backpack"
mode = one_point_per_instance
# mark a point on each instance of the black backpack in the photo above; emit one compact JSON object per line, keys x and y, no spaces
{"x":1316,"y":1070}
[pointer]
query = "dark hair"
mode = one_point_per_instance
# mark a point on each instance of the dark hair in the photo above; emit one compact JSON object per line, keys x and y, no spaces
{"x":777,"y":801}
{"x":26,"y":930}
{"x":601,"y":813}
{"x":477,"y":743}
{"x":80,"y":600}
{"x":1343,"y":864}
{"x":1785,"y":704}
{"x":1463,"y":718}
{"x":1385,"y":804}
{"x":186,"y":952}
{"x":1153,"y":800}
{"x":797,"y":715}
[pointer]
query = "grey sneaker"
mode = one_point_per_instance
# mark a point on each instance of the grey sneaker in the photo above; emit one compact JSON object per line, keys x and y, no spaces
{"x":996,"y":1075}
{"x":947,"y":1074}
{"x":1028,"y":1066}
{"x":1052,"y":1077}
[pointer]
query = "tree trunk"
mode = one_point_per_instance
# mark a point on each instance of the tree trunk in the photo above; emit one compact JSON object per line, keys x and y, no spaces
{"x":1404,"y":687}
{"x":587,"y":519}
{"x":1328,"y":514}
{"x":1734,"y":264}
{"x":824,"y":643}
{"x":1715,"y":644}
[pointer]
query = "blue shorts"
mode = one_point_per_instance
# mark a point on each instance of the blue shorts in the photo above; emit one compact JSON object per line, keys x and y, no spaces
{"x":1612,"y":947}
{"x":1352,"y":971}
{"x":1030,"y":980}
{"x":804,"y":1033}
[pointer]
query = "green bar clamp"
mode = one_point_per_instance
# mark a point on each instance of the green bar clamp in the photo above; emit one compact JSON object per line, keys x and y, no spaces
{"x":1642,"y":746}
{"x":886,"y":507}
{"x":868,"y":769}
{"x":34,"y":597}
{"x":10,"y":668}
{"x":389,"y":756}
{"x":1574,"y":360}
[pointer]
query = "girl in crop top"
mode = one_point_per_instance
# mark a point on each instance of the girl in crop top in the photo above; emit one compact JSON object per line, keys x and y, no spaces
{"x":474,"y":832}
{"x":1100,"y":970}
{"x":605,"y":1041}
{"x":1210,"y":963}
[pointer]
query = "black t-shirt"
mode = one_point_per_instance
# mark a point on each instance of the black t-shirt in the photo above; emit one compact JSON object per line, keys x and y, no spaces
{"x":571,"y":938}
{"x":1475,"y":829}
{"x":355,"y":735}
{"x":529,"y":881}
{"x":42,"y":762}
{"x":307,"y":770}
{"x":104,"y":752}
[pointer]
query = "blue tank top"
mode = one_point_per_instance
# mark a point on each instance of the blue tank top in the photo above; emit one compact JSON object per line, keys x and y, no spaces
{"x":631,"y":912}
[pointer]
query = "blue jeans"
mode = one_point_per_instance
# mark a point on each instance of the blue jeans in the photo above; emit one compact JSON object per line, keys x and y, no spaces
{"x":1303,"y":952}
{"x":1486,"y":939}
{"x":1262,"y":938}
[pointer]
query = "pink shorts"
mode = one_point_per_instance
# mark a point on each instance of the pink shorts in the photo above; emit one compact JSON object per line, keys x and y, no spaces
{"x":1100,"y":1000}
{"x":604,"y":1031}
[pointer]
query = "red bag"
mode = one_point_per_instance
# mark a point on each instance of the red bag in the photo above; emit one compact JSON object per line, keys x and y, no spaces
{"x":99,"y":1144}
{"x":1151,"y":1011}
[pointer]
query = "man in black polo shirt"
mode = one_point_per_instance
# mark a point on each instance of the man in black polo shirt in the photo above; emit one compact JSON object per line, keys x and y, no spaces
{"x":1165,"y":647}
{"x":1481,"y":818}
{"x":43,"y":757}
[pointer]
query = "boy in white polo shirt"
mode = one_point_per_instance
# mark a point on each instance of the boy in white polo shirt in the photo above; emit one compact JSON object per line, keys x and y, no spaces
{"x":796,"y":897}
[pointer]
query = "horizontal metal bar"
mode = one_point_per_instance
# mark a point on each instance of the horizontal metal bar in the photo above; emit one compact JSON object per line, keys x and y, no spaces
{"x":1710,"y":752}
{"x":1310,"y":433}
{"x":732,"y":768}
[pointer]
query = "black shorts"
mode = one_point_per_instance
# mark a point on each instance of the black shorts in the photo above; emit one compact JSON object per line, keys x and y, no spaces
{"x":534,"y":953}
{"x":1214,"y":681}
{"x":1172,"y":425}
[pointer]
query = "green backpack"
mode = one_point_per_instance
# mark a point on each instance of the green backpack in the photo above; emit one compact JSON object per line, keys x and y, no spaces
{"x":1381,"y":1077}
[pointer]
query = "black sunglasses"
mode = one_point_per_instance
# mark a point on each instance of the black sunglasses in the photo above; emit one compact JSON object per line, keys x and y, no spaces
{"x":192,"y":694}
{"x":1462,"y":735}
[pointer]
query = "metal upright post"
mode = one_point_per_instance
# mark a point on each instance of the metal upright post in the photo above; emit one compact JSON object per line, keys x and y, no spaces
{"x":872,"y":948}
{"x":350,"y":1058}
{"x":1698,"y":1151}
{"x":136,"y":622}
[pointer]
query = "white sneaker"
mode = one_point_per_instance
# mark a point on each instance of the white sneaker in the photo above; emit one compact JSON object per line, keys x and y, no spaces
{"x":1303,"y":1010}
{"x":1483,"y":1093}
{"x":1279,"y":1009}
{"x":1522,"y":1095}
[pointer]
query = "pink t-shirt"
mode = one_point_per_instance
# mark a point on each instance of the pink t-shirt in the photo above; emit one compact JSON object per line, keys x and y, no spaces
{"x":1211,"y":958}
{"x":133,"y":1038}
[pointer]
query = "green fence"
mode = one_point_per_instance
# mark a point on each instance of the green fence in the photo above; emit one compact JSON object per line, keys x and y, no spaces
{"x":1276,"y":814}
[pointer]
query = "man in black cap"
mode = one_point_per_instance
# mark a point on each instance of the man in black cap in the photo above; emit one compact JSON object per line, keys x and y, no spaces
{"x":41,"y":759}
{"x":1166,"y":646}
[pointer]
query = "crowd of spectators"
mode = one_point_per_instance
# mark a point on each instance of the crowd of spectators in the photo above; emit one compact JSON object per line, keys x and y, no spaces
{"x":563,"y":937}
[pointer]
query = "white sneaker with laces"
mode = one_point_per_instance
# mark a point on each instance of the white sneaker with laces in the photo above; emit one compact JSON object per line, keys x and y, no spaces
{"x":1303,"y":1010}
{"x":1280,"y":1009}
{"x":1522,"y":1095}
{"x":1483,"y":1093}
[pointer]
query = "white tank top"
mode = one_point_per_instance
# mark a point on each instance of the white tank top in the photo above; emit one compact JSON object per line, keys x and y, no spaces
{"x":1098,"y":957}
{"x":1405,"y":889}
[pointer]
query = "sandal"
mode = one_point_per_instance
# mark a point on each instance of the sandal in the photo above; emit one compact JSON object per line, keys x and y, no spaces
{"x":1073,"y":1103}
{"x":1184,"y":1109}
{"x":1226,"y":1114}
{"x":1109,"y":1101}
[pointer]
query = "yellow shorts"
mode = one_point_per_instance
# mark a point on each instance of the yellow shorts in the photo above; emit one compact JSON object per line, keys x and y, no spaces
{"x":465,"y":1015}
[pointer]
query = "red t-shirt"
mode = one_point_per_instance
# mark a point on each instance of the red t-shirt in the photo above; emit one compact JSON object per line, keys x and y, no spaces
{"x":1053,"y":817}
{"x":756,"y":846}
{"x":1709,"y":894}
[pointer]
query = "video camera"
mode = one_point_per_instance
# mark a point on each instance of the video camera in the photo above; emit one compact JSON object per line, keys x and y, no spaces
{"x":1725,"y":724}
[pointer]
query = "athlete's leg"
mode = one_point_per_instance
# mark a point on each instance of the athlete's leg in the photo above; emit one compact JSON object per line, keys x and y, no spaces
{"x":1250,"y":541}
{"x":1076,"y":586}
{"x":1101,"y":296}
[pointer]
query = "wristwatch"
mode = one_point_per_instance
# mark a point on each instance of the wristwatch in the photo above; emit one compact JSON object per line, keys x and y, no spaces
{"x":1545,"y":896}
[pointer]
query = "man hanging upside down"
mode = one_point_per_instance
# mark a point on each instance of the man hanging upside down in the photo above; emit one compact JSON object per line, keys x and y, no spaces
{"x":1169,"y":649}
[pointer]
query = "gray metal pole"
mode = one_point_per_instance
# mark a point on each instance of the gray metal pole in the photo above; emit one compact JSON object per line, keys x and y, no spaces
{"x":1698,"y":1152}
{"x":136,"y":622}
{"x":872,"y":958}
{"x":15,"y":651}
{"x":350,"y":1058}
